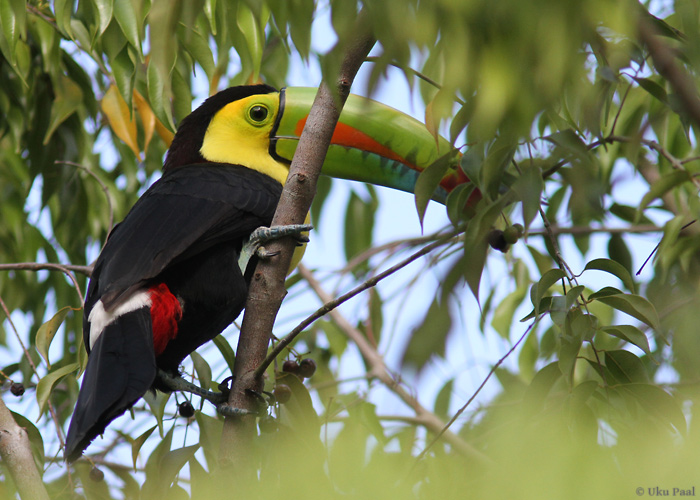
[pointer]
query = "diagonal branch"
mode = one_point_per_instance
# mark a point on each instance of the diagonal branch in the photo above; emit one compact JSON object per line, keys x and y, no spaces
{"x":378,"y":370}
{"x":328,"y":306}
{"x":668,"y":67}
{"x":267,"y":287}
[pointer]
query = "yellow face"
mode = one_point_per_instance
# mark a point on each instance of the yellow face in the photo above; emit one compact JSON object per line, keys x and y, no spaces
{"x":239,"y":133}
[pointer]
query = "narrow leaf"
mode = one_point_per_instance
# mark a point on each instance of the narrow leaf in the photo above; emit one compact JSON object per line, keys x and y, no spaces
{"x":121,"y":119}
{"x":541,"y":287}
{"x":69,"y":98}
{"x":614,"y":268}
{"x":429,"y":180}
{"x":663,"y":185}
{"x":48,"y":382}
{"x":635,"y":305}
{"x":137,"y":443}
{"x":630,"y":334}
{"x":626,"y":367}
{"x":47,"y":331}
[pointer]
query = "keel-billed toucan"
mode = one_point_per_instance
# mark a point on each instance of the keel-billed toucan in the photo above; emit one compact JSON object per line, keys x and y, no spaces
{"x":167,"y":280}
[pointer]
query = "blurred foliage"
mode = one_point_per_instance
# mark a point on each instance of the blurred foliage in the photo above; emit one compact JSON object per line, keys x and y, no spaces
{"x":551,"y":102}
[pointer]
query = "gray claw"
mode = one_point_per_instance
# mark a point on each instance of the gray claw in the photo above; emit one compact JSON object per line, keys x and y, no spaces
{"x":254,"y":245}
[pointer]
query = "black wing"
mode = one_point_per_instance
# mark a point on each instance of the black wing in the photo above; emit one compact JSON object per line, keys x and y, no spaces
{"x":187,"y":211}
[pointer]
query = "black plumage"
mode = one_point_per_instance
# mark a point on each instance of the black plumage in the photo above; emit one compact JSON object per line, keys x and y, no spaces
{"x":186,"y":232}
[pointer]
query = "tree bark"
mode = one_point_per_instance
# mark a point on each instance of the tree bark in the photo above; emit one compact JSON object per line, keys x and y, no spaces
{"x":267,"y":288}
{"x":16,"y":454}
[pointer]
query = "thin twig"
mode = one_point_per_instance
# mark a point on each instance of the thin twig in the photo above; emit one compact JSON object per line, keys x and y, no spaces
{"x":584,"y":230}
{"x":332,"y":304}
{"x":378,"y":370}
{"x":64,"y":268}
{"x":478,"y":390}
{"x":418,"y":74}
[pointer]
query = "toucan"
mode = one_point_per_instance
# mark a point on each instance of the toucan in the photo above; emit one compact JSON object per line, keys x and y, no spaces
{"x":167,"y":280}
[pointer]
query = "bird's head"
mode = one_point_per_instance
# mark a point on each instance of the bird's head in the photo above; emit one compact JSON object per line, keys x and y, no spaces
{"x":259,"y":127}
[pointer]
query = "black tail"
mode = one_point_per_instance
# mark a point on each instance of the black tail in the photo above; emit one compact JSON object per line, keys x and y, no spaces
{"x":120,"y":369}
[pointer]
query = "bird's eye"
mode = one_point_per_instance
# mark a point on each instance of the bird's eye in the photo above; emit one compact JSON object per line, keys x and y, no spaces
{"x":257,"y":113}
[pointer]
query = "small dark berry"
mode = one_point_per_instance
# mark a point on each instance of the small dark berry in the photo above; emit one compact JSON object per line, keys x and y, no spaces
{"x":16,"y":389}
{"x":282,"y":393}
{"x":496,"y":240}
{"x":186,"y":409}
{"x":97,"y":475}
{"x":307,"y":368}
{"x":290,"y":366}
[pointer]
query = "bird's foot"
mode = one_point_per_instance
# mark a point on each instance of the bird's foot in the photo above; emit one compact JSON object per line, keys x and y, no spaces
{"x":262,"y":235}
{"x":229,"y":411}
{"x":176,"y":383}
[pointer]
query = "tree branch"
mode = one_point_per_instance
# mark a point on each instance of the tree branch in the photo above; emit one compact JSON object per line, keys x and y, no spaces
{"x":267,"y":287}
{"x":16,"y":454}
{"x":665,"y":62}
{"x":378,"y":370}
{"x":330,"y":305}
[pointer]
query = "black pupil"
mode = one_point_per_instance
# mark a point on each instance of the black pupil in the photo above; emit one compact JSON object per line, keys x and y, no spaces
{"x":258,"y":113}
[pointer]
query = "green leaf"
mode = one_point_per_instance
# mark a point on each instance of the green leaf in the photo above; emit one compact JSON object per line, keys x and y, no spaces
{"x":635,"y":305}
{"x":210,"y":430}
{"x":126,"y":16}
{"x":201,"y":52}
{"x":366,"y":413}
{"x":570,"y":141}
{"x":540,"y":387}
{"x":443,"y":398}
{"x":429,"y":338}
{"x":48,"y":382}
{"x":253,"y":34}
{"x":528,"y":187}
{"x":577,"y":327}
{"x":10,"y":31}
{"x":163,"y":466}
{"x":618,"y":251}
{"x":69,"y":98}
{"x":429,"y":180}
{"x":658,"y":403}
{"x":105,"y":9}
{"x":625,"y":367}
{"x":662,"y":186}
{"x":503,"y":315}
{"x":653,"y":88}
{"x":476,"y":243}
{"x":541,"y":287}
{"x":628,"y":214}
{"x":159,"y":96}
{"x":138,"y":443}
{"x":47,"y":331}
{"x":376,"y":319}
{"x":36,"y":441}
{"x":359,"y":224}
{"x":614,"y":268}
{"x":63,"y":10}
{"x":202,"y":368}
{"x":156,"y":402}
{"x":226,"y":351}
{"x":498,"y":158}
{"x":630,"y":334}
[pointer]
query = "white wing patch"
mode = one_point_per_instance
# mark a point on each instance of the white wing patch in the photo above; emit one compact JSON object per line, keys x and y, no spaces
{"x":99,"y":318}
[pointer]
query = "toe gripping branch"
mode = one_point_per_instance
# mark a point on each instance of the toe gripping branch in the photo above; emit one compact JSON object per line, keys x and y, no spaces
{"x":176,"y":383}
{"x":262,"y":235}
